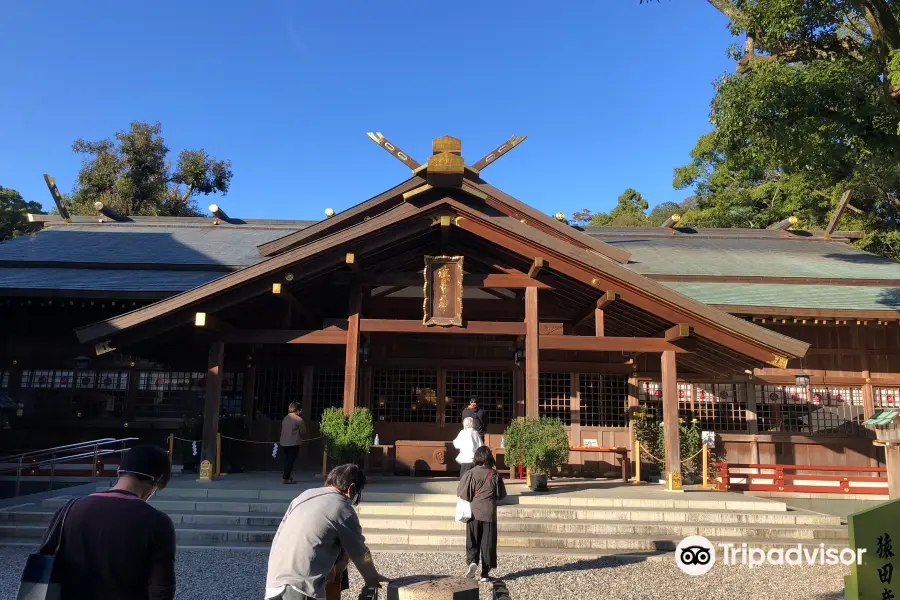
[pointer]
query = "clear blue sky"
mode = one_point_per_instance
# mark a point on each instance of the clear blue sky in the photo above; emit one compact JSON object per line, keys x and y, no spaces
{"x":611,"y":94}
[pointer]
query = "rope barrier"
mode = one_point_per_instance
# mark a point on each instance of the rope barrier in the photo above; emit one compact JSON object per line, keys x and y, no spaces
{"x":225,"y":437}
{"x":662,"y":461}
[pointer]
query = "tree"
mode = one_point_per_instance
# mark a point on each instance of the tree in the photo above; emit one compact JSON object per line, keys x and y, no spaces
{"x":132,"y":175}
{"x":13,"y":209}
{"x":630,"y":211}
{"x":811,"y":110}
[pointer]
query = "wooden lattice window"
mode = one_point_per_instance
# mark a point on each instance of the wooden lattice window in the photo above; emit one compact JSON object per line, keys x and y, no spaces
{"x":4,"y":379}
{"x":276,"y":388}
{"x":823,"y":410}
{"x":716,"y":406}
{"x":405,"y":395}
{"x":554,"y":396}
{"x":327,"y":390}
{"x":887,"y":397}
{"x":604,"y":400}
{"x":493,"y":388}
{"x":650,"y":395}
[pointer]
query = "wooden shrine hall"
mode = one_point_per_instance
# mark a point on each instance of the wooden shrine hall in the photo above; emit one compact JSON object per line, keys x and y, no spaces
{"x":441,"y":288}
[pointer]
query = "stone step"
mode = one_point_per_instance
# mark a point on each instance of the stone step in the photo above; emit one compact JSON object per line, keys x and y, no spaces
{"x":612,"y":542}
{"x":684,"y":501}
{"x":397,"y":509}
{"x":225,"y":522}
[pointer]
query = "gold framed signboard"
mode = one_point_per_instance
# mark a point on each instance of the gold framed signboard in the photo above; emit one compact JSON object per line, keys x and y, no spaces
{"x":443,"y":291}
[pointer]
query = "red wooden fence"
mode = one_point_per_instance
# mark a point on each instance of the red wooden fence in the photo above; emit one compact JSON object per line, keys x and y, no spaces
{"x":778,"y":481}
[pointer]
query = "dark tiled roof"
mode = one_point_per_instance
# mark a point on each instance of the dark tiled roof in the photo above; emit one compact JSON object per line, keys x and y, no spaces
{"x":747,"y":256}
{"x":122,"y":280}
{"x":232,"y":246}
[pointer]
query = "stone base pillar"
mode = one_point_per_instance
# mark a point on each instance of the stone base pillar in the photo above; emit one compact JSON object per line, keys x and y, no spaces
{"x":441,"y":588}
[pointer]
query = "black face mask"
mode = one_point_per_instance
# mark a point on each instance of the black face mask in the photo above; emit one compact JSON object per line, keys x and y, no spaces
{"x":356,"y":497}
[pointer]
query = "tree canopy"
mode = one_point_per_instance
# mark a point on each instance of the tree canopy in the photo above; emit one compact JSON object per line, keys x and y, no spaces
{"x":133,"y":175}
{"x":13,"y":209}
{"x":811,"y":110}
{"x":631,"y":211}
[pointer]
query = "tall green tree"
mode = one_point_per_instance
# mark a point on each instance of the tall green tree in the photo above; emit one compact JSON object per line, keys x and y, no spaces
{"x":13,"y":211}
{"x":132,"y":174}
{"x":812,"y":109}
{"x":631,"y":211}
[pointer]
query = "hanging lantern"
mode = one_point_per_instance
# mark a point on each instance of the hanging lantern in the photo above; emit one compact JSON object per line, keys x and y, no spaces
{"x":801,"y":379}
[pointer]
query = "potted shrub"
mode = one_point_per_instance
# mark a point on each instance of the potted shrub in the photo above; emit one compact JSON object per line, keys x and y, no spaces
{"x":347,"y":440}
{"x":541,"y":444}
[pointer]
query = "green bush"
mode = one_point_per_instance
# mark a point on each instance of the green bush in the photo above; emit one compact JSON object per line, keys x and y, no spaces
{"x":648,"y":429}
{"x":347,"y":440}
{"x":540,"y":444}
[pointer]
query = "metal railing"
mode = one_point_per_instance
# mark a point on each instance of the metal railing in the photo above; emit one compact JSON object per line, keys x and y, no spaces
{"x":50,"y":457}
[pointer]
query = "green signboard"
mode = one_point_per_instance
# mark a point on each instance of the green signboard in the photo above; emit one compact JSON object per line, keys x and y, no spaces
{"x":876,"y":532}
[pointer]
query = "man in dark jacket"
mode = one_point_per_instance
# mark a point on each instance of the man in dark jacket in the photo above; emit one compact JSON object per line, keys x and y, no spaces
{"x":115,"y":546}
{"x":479,"y":416}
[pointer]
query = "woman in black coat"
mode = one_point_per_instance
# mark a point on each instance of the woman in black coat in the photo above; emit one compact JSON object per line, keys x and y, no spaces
{"x":483,"y":487}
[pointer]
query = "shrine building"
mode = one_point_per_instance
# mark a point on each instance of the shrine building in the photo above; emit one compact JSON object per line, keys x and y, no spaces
{"x":437,"y":289}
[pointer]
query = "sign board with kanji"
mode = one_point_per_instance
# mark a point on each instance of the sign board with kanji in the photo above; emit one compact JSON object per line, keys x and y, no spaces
{"x":877,"y":530}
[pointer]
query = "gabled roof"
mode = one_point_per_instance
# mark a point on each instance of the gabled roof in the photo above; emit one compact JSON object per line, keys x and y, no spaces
{"x":408,"y":220}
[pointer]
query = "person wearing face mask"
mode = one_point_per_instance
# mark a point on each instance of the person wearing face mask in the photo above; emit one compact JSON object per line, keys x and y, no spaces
{"x":115,"y":546}
{"x":318,"y":535}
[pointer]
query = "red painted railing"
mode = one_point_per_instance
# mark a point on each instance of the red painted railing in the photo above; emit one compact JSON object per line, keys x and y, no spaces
{"x":777,"y":480}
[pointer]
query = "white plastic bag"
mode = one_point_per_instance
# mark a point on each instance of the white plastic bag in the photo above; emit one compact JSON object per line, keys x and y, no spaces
{"x":463,"y":510}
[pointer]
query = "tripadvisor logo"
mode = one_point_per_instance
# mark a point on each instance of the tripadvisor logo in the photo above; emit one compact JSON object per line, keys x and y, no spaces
{"x":695,"y":555}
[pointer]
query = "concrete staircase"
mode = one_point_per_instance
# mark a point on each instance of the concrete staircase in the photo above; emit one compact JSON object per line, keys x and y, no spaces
{"x":533,"y":524}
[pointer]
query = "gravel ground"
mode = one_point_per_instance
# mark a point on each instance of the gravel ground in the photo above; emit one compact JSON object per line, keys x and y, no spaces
{"x":240,"y":574}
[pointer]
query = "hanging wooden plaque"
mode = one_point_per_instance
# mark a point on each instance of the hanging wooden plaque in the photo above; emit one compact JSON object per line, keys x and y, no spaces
{"x":443,"y":291}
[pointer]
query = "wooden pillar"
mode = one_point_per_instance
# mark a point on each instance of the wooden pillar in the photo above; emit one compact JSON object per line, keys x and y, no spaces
{"x":670,"y":420}
{"x":518,"y":392}
{"x":213,"y":404}
{"x":892,"y":462}
{"x":306,"y":397}
{"x":351,"y":362}
{"x":441,"y":401}
{"x":575,"y":416}
{"x":750,"y":412}
{"x":599,"y":327}
{"x":868,"y":393}
{"x":532,"y":366}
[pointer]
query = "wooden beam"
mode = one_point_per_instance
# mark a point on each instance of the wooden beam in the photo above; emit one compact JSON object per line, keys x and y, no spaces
{"x":670,"y":415}
{"x":296,"y":305}
{"x":390,"y":290}
{"x":532,"y":351}
{"x":351,"y":361}
{"x":602,"y":302}
{"x":331,"y":335}
{"x":498,"y":152}
{"x":608,"y":344}
{"x":479,"y":280}
{"x":671,"y":221}
{"x":218,"y":213}
{"x":57,"y":197}
{"x":110,"y":213}
{"x":212,"y":404}
{"x":536,"y":266}
{"x":211,"y":322}
{"x":350,"y":259}
{"x":838,"y":212}
{"x":785,"y":224}
{"x":394,"y":150}
{"x":415,"y":326}
{"x":678,"y":332}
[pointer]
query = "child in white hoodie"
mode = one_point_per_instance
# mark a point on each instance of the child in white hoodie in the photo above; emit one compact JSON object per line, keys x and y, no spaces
{"x":467,"y":442}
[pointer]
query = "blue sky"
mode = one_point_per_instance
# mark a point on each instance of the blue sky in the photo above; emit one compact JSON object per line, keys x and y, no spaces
{"x":611,"y":94}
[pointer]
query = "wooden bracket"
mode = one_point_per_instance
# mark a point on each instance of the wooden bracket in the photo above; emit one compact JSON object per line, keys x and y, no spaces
{"x":608,"y":298}
{"x":394,"y":150}
{"x":678,"y":332}
{"x":350,"y":259}
{"x":536,"y":267}
{"x":498,"y":152}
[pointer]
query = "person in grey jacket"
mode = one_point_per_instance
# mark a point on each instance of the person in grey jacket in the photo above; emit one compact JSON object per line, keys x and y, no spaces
{"x":319,"y":528}
{"x":483,"y":487}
